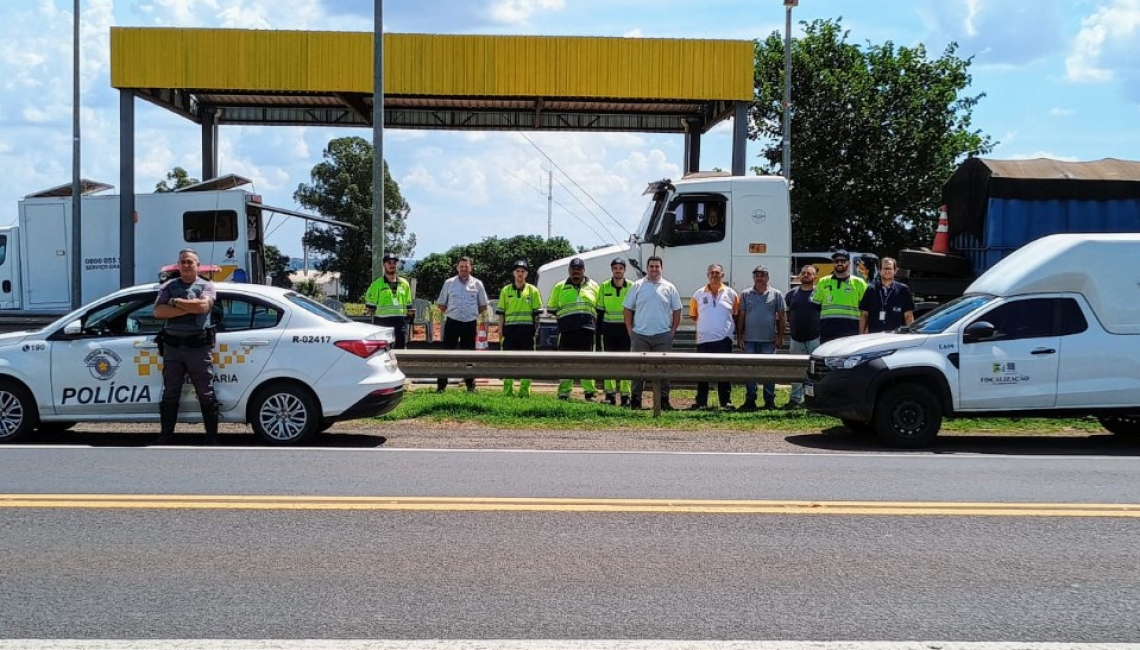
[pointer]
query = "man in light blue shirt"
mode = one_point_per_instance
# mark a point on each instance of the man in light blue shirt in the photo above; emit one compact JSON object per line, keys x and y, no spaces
{"x":461,"y":300}
{"x":652,"y":315}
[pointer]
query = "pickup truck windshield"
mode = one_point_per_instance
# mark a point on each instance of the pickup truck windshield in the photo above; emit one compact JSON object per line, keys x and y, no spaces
{"x":946,"y":315}
{"x":649,"y":221}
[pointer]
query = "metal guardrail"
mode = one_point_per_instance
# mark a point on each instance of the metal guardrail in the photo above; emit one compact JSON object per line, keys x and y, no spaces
{"x":650,"y":366}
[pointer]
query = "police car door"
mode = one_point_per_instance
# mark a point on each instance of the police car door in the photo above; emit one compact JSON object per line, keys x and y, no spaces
{"x":1017,"y":367}
{"x":248,"y":332}
{"x":106,"y":363}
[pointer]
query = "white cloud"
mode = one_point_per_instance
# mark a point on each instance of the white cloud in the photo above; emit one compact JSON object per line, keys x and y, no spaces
{"x":1057,"y":111}
{"x":633,"y":33}
{"x":518,"y":12}
{"x":1107,"y":44}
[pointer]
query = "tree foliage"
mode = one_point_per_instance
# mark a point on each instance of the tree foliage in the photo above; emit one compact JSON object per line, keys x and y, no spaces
{"x":493,"y":260}
{"x":176,"y":179}
{"x":341,"y":189}
{"x":277,"y":266}
{"x":876,"y":131}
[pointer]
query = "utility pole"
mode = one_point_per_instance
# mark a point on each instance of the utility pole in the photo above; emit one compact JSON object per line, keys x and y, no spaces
{"x":76,"y":182}
{"x":549,"y":202}
{"x":788,"y":4}
{"x":378,"y":143}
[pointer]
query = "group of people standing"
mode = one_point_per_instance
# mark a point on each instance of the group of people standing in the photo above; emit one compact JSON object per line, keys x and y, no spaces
{"x":643,"y":316}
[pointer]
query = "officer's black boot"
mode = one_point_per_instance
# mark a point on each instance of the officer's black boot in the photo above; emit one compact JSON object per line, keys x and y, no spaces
{"x":210,"y":422}
{"x":168,"y":416}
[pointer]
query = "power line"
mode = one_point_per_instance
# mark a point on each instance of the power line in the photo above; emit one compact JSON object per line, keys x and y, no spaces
{"x":556,"y":202}
{"x":551,"y":161}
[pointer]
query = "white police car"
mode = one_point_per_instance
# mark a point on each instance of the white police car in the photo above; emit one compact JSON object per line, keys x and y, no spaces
{"x":283,"y":363}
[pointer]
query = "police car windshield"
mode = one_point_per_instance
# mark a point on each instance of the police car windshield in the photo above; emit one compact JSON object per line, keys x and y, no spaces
{"x":946,"y":315}
{"x":314,"y":307}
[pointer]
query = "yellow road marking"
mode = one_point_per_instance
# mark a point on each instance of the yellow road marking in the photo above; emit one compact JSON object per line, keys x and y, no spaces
{"x":510,"y":504}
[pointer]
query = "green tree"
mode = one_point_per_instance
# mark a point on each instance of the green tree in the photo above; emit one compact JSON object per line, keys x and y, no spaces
{"x":493,"y":259}
{"x":176,"y":179}
{"x":277,"y":265}
{"x":341,"y":189}
{"x":876,"y":131}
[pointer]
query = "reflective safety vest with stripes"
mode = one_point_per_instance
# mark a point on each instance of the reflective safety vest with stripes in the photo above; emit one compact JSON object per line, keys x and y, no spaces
{"x":610,"y":302}
{"x":839,"y":298}
{"x":519,"y":306}
{"x":389,"y":299}
{"x":574,"y":306}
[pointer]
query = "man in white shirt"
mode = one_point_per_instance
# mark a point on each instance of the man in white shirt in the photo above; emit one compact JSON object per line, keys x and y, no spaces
{"x":714,"y":308}
{"x":652,"y":315}
{"x":461,"y":300}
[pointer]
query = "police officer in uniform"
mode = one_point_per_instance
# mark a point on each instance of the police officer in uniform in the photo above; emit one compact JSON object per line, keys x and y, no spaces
{"x":614,"y":335}
{"x":187,"y":343}
{"x":520,"y":303}
{"x":389,"y":301}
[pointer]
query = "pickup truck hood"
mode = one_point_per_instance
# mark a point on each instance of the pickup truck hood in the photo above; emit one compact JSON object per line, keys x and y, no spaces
{"x":869,"y":343}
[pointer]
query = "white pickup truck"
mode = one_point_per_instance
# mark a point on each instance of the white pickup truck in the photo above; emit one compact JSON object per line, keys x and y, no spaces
{"x":1051,"y":330}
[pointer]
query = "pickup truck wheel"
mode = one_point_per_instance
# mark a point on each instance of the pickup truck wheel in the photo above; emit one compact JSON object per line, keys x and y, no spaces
{"x":284,"y":414}
{"x":1122,"y":425}
{"x":907,"y":416}
{"x":859,"y":428}
{"x":18,"y":413}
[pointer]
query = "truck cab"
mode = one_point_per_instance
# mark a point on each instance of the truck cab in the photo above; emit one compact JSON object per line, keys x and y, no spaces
{"x":705,"y":218}
{"x":1043,"y":332}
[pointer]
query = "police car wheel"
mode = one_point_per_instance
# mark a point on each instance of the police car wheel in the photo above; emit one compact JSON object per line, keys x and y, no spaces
{"x":907,"y":416}
{"x":18,"y":413}
{"x":1122,"y":425}
{"x":284,"y":414}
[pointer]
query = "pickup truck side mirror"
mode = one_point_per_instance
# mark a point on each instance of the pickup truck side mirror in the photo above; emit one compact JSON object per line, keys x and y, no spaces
{"x":978,"y":331}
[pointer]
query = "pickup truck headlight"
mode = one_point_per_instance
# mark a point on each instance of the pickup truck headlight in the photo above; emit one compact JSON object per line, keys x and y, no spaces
{"x":854,"y":360}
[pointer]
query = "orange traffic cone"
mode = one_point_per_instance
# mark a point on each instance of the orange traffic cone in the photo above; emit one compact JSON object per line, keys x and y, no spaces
{"x":481,"y":336}
{"x":942,"y":235}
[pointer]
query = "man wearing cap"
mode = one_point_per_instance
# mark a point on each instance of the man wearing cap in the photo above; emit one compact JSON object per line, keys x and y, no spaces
{"x":461,"y":300}
{"x":838,"y":296}
{"x":519,"y":306}
{"x":574,"y":302}
{"x":615,"y":337}
{"x":714,"y":308}
{"x":652,"y":315}
{"x":389,"y":301}
{"x":760,"y":330}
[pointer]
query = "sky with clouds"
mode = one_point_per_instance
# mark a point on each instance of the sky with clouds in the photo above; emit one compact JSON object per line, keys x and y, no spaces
{"x":1062,"y":79}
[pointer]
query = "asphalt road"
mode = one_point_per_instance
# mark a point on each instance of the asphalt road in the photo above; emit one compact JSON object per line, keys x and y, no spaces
{"x":220,"y":571}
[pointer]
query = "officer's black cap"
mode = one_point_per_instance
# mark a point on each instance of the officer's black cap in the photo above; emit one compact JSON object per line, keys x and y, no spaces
{"x":577,"y":262}
{"x":391,"y":257}
{"x":839,"y":252}
{"x":521,"y":264}
{"x":618,"y":260}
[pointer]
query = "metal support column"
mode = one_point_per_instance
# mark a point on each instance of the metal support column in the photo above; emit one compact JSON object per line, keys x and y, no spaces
{"x":692,"y":147}
{"x":209,"y":143}
{"x":126,"y":187}
{"x":739,"y":138}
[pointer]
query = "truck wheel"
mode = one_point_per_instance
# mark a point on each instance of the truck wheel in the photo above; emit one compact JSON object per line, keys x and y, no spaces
{"x":907,"y":416}
{"x":1122,"y":425}
{"x":859,"y":428}
{"x":18,"y":413}
{"x":284,"y":414}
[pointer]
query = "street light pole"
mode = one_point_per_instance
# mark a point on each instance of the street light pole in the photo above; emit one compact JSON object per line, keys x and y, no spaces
{"x":378,"y":143}
{"x":788,"y":4}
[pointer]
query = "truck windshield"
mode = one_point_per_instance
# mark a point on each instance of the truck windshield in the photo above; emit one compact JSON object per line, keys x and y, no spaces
{"x":946,"y":315}
{"x":649,"y":221}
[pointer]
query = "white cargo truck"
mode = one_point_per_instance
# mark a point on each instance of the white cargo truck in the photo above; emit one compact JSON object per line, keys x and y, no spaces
{"x":223,"y":223}
{"x":1052,"y":330}
{"x":738,"y":222}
